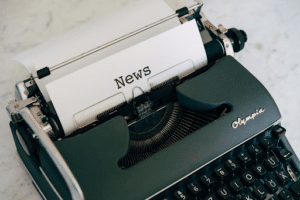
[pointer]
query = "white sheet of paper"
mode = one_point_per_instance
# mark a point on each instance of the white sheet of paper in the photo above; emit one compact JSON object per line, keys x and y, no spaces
{"x":82,"y":95}
{"x":133,"y":16}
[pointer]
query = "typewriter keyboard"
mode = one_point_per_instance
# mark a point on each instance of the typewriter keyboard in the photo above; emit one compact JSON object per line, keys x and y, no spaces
{"x":261,"y":168}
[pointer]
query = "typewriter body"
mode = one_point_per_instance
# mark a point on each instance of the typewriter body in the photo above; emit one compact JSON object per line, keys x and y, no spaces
{"x":201,"y":128}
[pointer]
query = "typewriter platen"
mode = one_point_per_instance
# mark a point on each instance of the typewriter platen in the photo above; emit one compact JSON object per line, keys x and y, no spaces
{"x":178,"y":140}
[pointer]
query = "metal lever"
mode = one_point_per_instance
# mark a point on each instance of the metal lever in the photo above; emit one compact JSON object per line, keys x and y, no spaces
{"x":15,"y":106}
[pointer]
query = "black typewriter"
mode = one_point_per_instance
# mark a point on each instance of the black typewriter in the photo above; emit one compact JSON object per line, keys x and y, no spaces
{"x":212,"y":132}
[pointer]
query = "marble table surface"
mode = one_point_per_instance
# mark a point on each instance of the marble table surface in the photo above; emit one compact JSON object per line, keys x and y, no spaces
{"x":272,"y":54}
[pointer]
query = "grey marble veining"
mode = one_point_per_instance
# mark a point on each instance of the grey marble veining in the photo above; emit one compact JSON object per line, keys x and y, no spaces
{"x":272,"y":54}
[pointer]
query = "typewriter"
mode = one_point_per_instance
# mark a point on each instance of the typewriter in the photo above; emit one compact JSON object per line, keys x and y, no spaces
{"x":180,"y":120}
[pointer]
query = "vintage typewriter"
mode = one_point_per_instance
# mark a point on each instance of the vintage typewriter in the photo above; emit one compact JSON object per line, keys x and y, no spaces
{"x":183,"y":121}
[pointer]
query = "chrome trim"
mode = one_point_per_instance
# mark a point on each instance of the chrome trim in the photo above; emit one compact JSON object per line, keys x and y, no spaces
{"x":87,"y":53}
{"x":33,"y":181}
{"x":226,"y":41}
{"x":21,"y":91}
{"x":50,"y":183}
{"x":29,"y":83}
{"x":39,"y":190}
{"x":39,"y":116}
{"x":54,"y":154}
{"x":275,"y":123}
{"x":291,"y":173}
{"x":222,"y":46}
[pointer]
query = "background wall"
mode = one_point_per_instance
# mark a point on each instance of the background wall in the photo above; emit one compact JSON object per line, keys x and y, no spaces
{"x":271,"y":54}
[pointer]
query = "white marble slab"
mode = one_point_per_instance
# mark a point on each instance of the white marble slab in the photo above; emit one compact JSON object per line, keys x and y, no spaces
{"x":271,"y":54}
